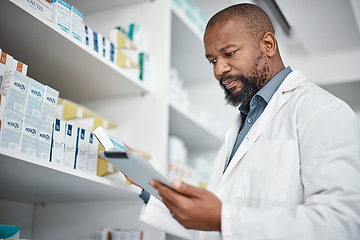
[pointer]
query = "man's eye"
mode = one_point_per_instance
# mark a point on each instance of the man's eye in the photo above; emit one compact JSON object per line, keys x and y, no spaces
{"x":212,"y":61}
{"x":230,"y":53}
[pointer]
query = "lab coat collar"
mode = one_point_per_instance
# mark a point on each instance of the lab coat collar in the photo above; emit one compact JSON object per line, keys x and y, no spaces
{"x":281,"y":96}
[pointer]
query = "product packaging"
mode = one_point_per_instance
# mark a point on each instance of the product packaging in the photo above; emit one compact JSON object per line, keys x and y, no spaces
{"x":34,"y":99}
{"x":82,"y":148}
{"x":61,"y":14}
{"x":58,"y":142}
{"x":49,"y":105}
{"x":43,"y":148}
{"x":70,"y":145}
{"x":29,"y":136}
{"x":92,"y":155}
{"x":11,"y":130}
{"x":76,"y":23}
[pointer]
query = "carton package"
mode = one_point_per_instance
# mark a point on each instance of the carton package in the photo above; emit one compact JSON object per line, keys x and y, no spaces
{"x":58,"y":142}
{"x":121,"y":40}
{"x":6,"y":62}
{"x":43,"y":147}
{"x":76,"y":23}
{"x":88,"y":37}
{"x":20,"y":67}
{"x":137,"y":35}
{"x":92,"y":155}
{"x":82,"y":148}
{"x":34,"y":99}
{"x":109,"y":141}
{"x":70,"y":145}
{"x":95,"y":41}
{"x":49,"y":105}
{"x":122,"y":59}
{"x":29,"y":136}
{"x":66,"y":109}
{"x":14,"y":87}
{"x":37,"y":7}
{"x":105,"y":168}
{"x":11,"y":130}
{"x":61,"y":14}
{"x":108,"y":49}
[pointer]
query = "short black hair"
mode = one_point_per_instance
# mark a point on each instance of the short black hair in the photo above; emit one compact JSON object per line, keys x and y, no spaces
{"x":256,"y":20}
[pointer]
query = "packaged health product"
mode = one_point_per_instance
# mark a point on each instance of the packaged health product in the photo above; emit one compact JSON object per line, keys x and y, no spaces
{"x":6,"y":62}
{"x":43,"y":147}
{"x":121,"y":40}
{"x":122,"y":59}
{"x":58,"y":142}
{"x":76,"y":23}
{"x":88,"y":37}
{"x":82,"y":148}
{"x":20,"y":67}
{"x":11,"y":130}
{"x":29,"y":134}
{"x":92,"y":155}
{"x":109,"y":141}
{"x":14,"y":87}
{"x":34,"y":99}
{"x":61,"y":14}
{"x":70,"y":145}
{"x":37,"y":7}
{"x":49,"y":105}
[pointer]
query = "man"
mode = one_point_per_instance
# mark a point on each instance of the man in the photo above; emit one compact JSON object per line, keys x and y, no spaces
{"x":290,"y":164}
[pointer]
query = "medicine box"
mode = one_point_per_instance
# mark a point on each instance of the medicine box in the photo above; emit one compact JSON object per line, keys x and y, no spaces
{"x":34,"y":99}
{"x":108,"y":49}
{"x":92,"y":155}
{"x":70,"y":145}
{"x":49,"y":105}
{"x":58,"y":142}
{"x":124,"y":59}
{"x":20,"y":67}
{"x":11,"y":130}
{"x":121,"y":40}
{"x":44,"y":142}
{"x":82,"y":148}
{"x":88,"y":37}
{"x":36,"y":7}
{"x":6,"y":62}
{"x":29,"y":134}
{"x":61,"y":14}
{"x":14,"y":87}
{"x":109,"y":141}
{"x":76,"y":23}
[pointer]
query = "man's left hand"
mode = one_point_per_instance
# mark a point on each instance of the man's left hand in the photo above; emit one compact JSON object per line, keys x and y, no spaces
{"x":192,"y":207}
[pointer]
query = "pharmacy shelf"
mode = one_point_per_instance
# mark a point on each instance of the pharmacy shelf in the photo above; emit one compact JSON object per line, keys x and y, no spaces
{"x":196,"y":134}
{"x":60,"y":61}
{"x":29,"y":179}
{"x":91,"y":6}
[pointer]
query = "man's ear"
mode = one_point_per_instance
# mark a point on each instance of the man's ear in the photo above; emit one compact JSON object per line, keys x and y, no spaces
{"x":269,"y":44}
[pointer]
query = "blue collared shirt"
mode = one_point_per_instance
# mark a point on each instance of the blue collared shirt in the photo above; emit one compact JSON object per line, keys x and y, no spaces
{"x":257,"y":105}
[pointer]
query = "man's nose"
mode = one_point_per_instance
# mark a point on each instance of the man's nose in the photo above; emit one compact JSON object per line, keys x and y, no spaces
{"x":222,"y":68}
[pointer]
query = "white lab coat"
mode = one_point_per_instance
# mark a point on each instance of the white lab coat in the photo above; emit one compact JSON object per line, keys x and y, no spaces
{"x":296,"y":175}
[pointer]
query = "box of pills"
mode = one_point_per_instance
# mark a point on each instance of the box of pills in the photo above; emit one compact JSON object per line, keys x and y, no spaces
{"x":43,"y":147}
{"x":122,"y":59}
{"x":34,"y":99}
{"x":36,"y":7}
{"x":61,"y":14}
{"x":11,"y":130}
{"x":88,"y":37}
{"x":20,"y":67}
{"x":121,"y":40}
{"x":66,"y":109}
{"x":14,"y":87}
{"x":82,"y":148}
{"x":76,"y":23}
{"x":6,"y":62}
{"x":49,"y":105}
{"x":92,"y":155}
{"x":95,"y":41}
{"x":70,"y":145}
{"x":58,"y":142}
{"x":29,"y":135}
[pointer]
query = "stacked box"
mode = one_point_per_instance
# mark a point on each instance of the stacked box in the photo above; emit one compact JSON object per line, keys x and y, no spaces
{"x":82,"y":148}
{"x":58,"y":142}
{"x":92,"y":155}
{"x":29,"y":134}
{"x":11,"y":130}
{"x":34,"y":99}
{"x":61,"y":14}
{"x":49,"y":105}
{"x":44,"y":142}
{"x":76,"y":23}
{"x":14,"y":86}
{"x":70,"y":145}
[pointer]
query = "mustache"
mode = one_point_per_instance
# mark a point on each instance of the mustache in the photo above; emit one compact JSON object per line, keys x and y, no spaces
{"x":240,"y":77}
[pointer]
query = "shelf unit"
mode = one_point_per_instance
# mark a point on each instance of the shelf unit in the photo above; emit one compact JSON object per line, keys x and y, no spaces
{"x":144,"y":114}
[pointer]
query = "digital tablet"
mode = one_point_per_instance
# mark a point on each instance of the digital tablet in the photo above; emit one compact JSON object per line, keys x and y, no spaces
{"x":137,"y":168}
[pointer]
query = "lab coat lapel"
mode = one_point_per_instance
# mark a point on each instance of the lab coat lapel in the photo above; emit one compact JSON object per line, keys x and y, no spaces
{"x":291,"y":82}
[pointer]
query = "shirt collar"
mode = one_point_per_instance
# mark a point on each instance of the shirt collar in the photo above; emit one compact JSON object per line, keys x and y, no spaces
{"x":267,"y":91}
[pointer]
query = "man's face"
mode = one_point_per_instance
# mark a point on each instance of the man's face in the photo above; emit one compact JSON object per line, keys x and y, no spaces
{"x":239,"y":65}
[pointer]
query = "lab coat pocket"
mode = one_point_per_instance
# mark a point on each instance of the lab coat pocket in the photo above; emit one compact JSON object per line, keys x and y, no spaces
{"x":265,"y":171}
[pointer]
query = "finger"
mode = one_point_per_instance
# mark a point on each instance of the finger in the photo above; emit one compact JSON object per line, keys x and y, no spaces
{"x":186,"y":189}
